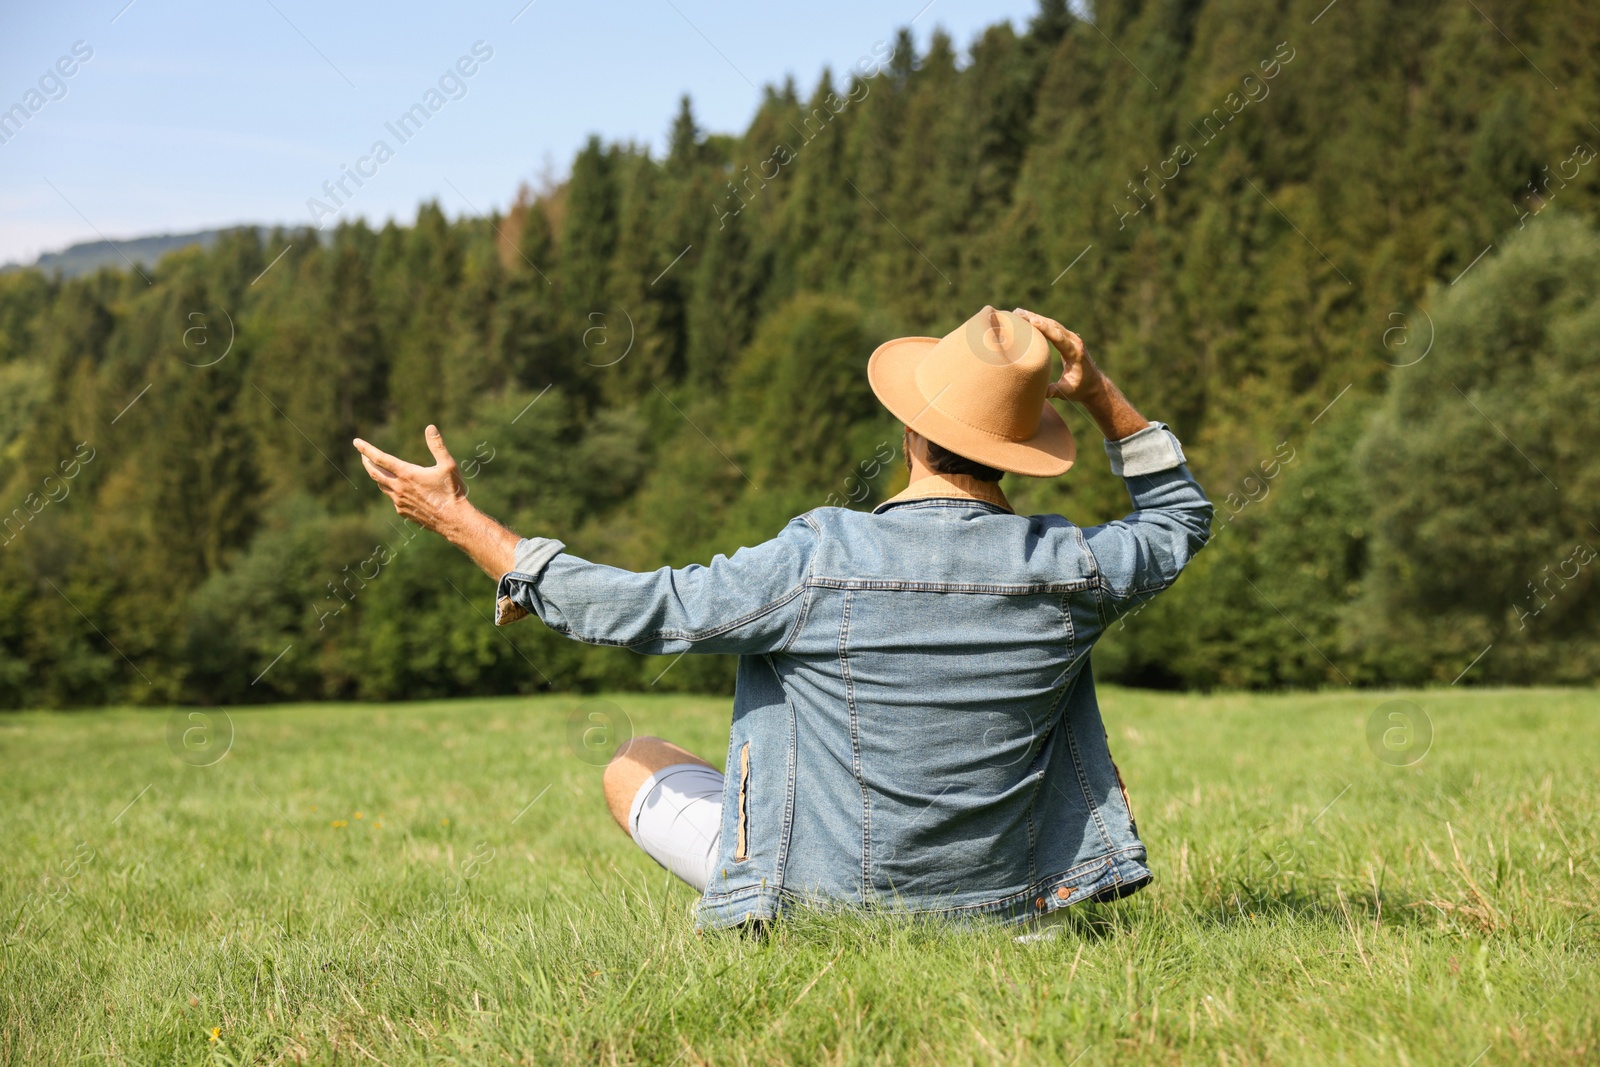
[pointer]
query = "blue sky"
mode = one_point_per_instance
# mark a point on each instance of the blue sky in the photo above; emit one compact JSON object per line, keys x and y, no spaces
{"x":189,"y":115}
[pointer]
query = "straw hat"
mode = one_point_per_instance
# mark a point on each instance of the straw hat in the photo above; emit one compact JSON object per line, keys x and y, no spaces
{"x":980,"y":392}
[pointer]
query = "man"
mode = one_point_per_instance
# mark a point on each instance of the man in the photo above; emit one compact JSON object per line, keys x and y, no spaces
{"x":914,"y":722}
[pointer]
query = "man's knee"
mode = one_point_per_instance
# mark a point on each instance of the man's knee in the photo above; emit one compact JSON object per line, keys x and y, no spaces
{"x":635,"y":761}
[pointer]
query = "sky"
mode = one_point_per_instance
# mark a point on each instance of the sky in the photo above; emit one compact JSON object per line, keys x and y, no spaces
{"x":165,"y":116}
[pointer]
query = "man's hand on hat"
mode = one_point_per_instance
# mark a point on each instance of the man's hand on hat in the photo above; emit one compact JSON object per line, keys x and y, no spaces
{"x":1080,"y":377}
{"x":1085,"y":383}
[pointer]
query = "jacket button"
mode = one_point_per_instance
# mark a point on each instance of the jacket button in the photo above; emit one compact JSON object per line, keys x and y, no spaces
{"x":1063,"y":892}
{"x":1039,"y":903}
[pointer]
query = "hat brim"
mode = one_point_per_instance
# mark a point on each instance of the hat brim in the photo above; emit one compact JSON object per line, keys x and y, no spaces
{"x":892,"y":373}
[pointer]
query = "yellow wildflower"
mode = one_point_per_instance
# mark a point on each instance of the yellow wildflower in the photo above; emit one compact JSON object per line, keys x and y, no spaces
{"x":216,"y":1034}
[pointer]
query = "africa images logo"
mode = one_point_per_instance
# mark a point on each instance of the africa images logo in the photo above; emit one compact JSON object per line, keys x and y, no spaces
{"x":52,"y":86}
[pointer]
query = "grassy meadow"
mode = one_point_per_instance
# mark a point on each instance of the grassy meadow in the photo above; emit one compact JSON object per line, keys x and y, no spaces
{"x":440,"y":883}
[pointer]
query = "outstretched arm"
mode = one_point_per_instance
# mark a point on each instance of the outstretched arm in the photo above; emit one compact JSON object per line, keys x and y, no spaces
{"x":744,"y":603}
{"x":436,"y":498}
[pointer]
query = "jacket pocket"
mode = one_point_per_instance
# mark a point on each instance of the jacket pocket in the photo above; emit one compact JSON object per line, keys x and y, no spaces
{"x":741,"y":850}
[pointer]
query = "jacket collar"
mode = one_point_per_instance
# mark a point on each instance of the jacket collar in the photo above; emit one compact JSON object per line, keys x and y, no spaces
{"x":950,"y":487}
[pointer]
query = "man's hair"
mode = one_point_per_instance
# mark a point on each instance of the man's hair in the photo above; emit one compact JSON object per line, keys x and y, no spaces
{"x":944,"y":461}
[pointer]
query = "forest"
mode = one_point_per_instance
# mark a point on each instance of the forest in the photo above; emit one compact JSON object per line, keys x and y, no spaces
{"x":1348,"y":252}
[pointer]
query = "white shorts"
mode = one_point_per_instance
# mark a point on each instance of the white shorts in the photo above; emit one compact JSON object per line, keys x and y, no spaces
{"x":676,"y":817}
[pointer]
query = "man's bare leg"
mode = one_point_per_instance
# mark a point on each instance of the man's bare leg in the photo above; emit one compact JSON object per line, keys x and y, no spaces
{"x":632,"y":766}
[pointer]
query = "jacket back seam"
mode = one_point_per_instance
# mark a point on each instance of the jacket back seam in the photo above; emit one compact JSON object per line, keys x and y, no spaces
{"x":855,"y":745}
{"x":900,"y":585}
{"x":1083,"y":785}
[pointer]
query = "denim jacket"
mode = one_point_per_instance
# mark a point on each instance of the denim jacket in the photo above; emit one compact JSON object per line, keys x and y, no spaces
{"x":914,"y":722}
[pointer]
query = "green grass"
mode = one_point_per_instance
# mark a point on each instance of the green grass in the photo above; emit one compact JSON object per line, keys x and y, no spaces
{"x":1310,"y":904}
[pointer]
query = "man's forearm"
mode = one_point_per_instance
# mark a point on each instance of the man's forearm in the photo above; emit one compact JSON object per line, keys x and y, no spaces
{"x":1110,"y":409}
{"x":487,"y":543}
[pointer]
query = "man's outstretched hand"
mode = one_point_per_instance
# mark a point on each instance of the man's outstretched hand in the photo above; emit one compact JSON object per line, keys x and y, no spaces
{"x":435,"y":498}
{"x":1084,"y":382}
{"x":429,"y":496}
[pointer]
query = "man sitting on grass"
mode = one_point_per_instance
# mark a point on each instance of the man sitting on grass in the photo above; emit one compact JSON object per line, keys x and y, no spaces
{"x":914,"y":723}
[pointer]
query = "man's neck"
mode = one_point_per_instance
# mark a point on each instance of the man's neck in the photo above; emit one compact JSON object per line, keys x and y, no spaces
{"x":930,"y":483}
{"x":937,"y":484}
{"x":919,"y":469}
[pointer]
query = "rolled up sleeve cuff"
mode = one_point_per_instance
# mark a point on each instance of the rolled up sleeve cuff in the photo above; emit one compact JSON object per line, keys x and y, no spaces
{"x":1154,"y":448}
{"x":531,"y":556}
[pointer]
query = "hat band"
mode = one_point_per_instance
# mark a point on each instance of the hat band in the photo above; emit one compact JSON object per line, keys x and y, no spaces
{"x":977,"y":429}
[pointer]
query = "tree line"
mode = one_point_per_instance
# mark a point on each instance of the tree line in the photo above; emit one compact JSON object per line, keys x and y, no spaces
{"x":1348,"y":253}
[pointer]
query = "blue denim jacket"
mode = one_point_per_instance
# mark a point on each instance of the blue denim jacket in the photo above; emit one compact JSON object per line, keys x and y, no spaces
{"x":914,"y":723}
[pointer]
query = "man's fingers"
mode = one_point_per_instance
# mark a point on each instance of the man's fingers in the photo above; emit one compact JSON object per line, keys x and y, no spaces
{"x":1049,"y":327}
{"x":1069,"y":344}
{"x":435,"y":441}
{"x":381,"y":475}
{"x":1070,"y":340}
{"x":381,"y":458}
{"x":384,"y":478}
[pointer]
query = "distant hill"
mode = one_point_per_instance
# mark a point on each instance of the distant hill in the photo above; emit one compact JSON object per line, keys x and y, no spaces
{"x":90,"y":256}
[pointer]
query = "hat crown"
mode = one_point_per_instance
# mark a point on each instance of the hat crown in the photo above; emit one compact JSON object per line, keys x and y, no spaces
{"x":991,"y":373}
